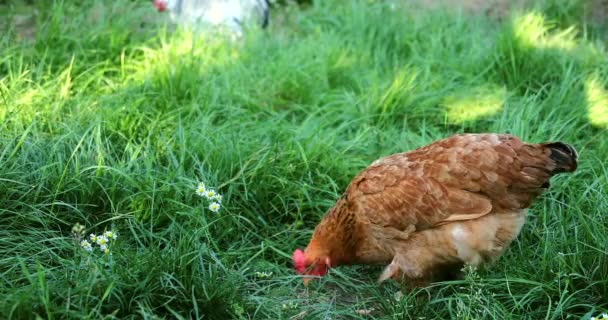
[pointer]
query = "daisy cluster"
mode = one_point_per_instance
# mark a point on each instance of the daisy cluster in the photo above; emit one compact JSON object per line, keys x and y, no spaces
{"x":603,"y":316}
{"x":290,"y":305}
{"x":102,"y":240}
{"x":263,"y":275}
{"x":215,"y":199}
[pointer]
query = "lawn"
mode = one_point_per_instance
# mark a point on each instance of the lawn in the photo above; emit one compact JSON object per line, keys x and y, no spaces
{"x":109,"y":119}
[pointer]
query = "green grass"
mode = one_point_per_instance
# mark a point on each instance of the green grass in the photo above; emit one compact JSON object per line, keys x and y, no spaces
{"x":110,"y":122}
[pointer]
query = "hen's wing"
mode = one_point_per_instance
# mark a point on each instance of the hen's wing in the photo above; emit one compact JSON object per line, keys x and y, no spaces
{"x":459,"y":178}
{"x":389,"y":196}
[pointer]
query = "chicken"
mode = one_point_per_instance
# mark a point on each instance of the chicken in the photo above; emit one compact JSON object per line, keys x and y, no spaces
{"x":229,"y":13}
{"x":427,"y":212}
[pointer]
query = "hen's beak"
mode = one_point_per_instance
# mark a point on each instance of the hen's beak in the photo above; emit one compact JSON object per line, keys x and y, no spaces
{"x":306,"y":279}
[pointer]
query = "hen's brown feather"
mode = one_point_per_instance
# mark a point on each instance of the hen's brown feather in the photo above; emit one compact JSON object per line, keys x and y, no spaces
{"x":398,"y":200}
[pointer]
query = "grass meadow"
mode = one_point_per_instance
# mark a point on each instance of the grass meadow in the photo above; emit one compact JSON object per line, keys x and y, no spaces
{"x":110,"y":117}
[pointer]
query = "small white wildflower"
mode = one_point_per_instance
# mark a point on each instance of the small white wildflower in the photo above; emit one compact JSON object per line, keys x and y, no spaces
{"x":214,"y":206}
{"x":218,"y":197}
{"x":593,"y":318}
{"x":104,"y":248}
{"x":290,"y":305}
{"x":102,"y":240}
{"x":604,"y":316}
{"x":210,"y":194}
{"x":263,"y":274}
{"x":93,"y":237}
{"x":110,"y":235}
{"x":200,"y":190}
{"x":398,"y":295}
{"x":78,"y":229}
{"x":365,"y":312}
{"x":86,"y":245}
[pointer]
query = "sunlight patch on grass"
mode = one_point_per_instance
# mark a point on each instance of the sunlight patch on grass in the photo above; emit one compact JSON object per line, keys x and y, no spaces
{"x":203,"y":51}
{"x":401,"y":87}
{"x":26,"y":98}
{"x":22,"y":100}
{"x":65,"y":81}
{"x":474,"y":104}
{"x":532,"y":30}
{"x":597,"y":102}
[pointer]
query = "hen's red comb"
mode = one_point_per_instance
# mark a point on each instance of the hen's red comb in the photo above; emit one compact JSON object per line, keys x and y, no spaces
{"x":299,"y":261}
{"x":160,"y":5}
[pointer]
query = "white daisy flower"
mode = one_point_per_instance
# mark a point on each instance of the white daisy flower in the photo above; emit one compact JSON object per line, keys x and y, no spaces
{"x":78,"y":229}
{"x":86,"y":245}
{"x":218,"y":197}
{"x":93,"y":237}
{"x":214,"y":206}
{"x":210,"y":194}
{"x":200,"y":190}
{"x":102,"y":240}
{"x":110,"y":235}
{"x":604,"y":316}
{"x":104,"y":248}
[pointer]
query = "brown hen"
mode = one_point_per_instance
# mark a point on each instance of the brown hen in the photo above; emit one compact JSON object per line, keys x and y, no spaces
{"x":426,"y":212}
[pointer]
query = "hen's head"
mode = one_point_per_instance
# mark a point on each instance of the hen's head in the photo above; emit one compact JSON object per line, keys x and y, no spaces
{"x":310,"y":263}
{"x":333,"y":243}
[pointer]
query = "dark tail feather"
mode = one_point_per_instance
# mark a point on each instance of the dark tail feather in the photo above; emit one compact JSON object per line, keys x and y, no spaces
{"x":564,"y":155}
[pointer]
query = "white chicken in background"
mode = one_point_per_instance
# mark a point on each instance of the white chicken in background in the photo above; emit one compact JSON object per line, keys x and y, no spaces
{"x":213,"y":13}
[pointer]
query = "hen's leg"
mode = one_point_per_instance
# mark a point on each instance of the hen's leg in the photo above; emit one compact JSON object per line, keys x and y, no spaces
{"x":412,"y":268}
{"x":409,"y":282}
{"x":421,"y":257}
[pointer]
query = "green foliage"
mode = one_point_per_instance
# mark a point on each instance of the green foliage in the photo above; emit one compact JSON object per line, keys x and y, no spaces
{"x":110,"y":119}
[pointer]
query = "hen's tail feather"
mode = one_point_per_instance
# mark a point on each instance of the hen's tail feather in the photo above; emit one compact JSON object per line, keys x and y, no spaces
{"x":564,"y":155}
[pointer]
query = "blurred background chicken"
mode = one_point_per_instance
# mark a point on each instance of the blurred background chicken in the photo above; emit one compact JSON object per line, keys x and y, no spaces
{"x":427,"y":212}
{"x":232,"y":14}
